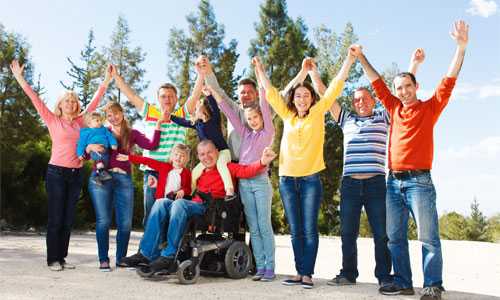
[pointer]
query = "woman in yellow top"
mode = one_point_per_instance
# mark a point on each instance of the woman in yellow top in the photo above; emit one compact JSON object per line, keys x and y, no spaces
{"x":301,"y":160}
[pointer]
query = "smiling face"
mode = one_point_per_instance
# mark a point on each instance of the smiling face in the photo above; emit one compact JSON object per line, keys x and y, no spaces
{"x":114,"y":116}
{"x":179,"y":158}
{"x":207,"y":154}
{"x":167,"y":97}
{"x":302,"y":100}
{"x":247,"y":94}
{"x":363,"y":103}
{"x":254,"y":118}
{"x":95,"y":123}
{"x":406,"y":90}
{"x":68,"y":104}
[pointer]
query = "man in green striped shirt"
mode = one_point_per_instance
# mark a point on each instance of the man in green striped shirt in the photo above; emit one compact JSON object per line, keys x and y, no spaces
{"x":171,"y":133}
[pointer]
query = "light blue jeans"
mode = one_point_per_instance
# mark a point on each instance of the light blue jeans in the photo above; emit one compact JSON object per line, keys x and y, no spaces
{"x":115,"y":195}
{"x":415,"y":195}
{"x":256,"y":196}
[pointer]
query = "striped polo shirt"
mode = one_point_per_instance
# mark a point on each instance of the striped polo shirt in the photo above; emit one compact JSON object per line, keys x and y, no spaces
{"x":170,"y":133}
{"x":365,"y":141}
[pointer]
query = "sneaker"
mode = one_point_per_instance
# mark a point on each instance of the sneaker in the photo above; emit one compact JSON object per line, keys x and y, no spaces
{"x":104,"y":175}
{"x":340,"y":280}
{"x":258,"y":276}
{"x":268,"y":276}
{"x":291,"y":281}
{"x":161,"y":265}
{"x":134,"y":261}
{"x":307,"y":285}
{"x":431,"y":293}
{"x":230,"y":197}
{"x":68,"y":266}
{"x":104,"y":267}
{"x":394,"y":289}
{"x":55,"y":266}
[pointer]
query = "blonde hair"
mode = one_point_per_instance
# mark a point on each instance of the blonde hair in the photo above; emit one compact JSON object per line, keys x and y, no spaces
{"x":182,"y":148}
{"x":93,"y":116}
{"x":125,"y":129}
{"x":63,"y":96}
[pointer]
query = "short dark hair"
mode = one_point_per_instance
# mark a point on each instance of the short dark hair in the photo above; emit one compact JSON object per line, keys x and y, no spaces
{"x":290,"y":103}
{"x":205,"y":143}
{"x":167,"y":86}
{"x":246,"y":81}
{"x":407,"y":74}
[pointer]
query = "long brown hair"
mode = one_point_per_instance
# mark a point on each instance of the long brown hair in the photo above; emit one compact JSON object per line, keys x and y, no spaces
{"x":125,"y":129}
{"x":291,"y":104}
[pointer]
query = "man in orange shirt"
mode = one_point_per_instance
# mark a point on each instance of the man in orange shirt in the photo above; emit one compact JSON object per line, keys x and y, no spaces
{"x":409,"y":184}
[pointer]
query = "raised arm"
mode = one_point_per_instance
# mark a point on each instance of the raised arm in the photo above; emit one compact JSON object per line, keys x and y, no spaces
{"x":215,"y":109}
{"x":228,"y":110}
{"x":132,"y":97}
{"x":196,"y":93}
{"x":211,"y":81}
{"x":370,"y":72}
{"x":460,"y":34}
{"x":417,"y":58}
{"x":299,"y":78}
{"x":101,"y":90}
{"x":272,"y":95}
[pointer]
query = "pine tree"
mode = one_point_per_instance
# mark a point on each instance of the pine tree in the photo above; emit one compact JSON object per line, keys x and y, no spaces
{"x":85,"y":77}
{"x":453,"y":226}
{"x":128,"y":62}
{"x":477,"y":229}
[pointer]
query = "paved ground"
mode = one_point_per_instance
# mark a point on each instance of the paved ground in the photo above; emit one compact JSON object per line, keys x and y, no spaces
{"x":472,"y":271}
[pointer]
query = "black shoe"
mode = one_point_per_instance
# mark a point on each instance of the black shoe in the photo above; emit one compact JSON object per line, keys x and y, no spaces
{"x":160,"y":266}
{"x":431,"y":293}
{"x":133,"y":261}
{"x":104,"y":175}
{"x":341,"y":280}
{"x":394,"y":289}
{"x":230,"y":197}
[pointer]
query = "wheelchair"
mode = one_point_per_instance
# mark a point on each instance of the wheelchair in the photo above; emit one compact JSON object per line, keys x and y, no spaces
{"x":214,"y":244}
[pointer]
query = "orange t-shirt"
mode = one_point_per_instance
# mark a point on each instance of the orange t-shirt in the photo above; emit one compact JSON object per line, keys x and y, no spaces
{"x":411,"y":137}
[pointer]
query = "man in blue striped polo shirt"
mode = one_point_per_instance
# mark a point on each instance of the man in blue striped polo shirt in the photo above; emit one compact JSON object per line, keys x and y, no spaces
{"x":363,"y":179}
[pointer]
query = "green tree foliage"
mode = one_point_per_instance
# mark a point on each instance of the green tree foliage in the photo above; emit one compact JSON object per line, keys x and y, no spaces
{"x":23,"y":140}
{"x":282,"y":43}
{"x":477,"y":229}
{"x":85,"y":77}
{"x":128,"y":62}
{"x":494,"y":228}
{"x":453,"y":226}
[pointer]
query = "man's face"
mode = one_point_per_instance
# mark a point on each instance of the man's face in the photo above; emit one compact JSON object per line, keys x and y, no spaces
{"x":406,"y":90}
{"x":363,"y":103}
{"x":247,"y":94}
{"x":167,"y":99}
{"x":208,"y":154}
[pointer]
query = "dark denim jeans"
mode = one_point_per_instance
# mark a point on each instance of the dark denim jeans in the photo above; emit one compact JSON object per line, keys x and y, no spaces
{"x":63,"y":187}
{"x":415,"y":195}
{"x":149,"y":195}
{"x":116,"y":194}
{"x":174,"y":215}
{"x":370,"y":193}
{"x":301,"y":197}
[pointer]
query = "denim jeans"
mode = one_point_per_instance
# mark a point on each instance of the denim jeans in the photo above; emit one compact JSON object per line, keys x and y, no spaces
{"x":354,"y":194}
{"x":63,"y":187}
{"x":116,"y":194}
{"x":100,"y":156}
{"x":149,"y":195}
{"x":175,"y":215}
{"x":415,"y":195}
{"x":256,"y":195}
{"x":301,"y":197}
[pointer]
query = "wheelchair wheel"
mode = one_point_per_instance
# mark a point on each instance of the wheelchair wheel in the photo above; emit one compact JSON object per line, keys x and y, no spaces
{"x":238,"y":260}
{"x":186,"y":275}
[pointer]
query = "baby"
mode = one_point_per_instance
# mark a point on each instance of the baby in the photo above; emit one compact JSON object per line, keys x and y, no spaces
{"x":96,"y":133}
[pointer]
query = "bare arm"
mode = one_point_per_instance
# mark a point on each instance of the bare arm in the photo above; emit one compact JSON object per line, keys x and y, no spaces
{"x":196,"y":93}
{"x":261,"y":73}
{"x":299,"y":78}
{"x":370,"y":72}
{"x":460,"y":34}
{"x":417,"y":58}
{"x":132,"y":97}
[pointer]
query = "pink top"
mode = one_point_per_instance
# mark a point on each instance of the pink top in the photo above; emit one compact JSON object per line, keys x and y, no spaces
{"x":63,"y":133}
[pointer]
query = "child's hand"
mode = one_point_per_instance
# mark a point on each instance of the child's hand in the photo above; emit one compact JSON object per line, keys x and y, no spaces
{"x":81,"y":157}
{"x":179,"y":195}
{"x":152,"y":182}
{"x":122,"y":157}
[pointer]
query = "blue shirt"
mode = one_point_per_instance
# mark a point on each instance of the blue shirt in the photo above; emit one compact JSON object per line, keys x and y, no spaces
{"x":365,"y":140}
{"x":100,"y":135}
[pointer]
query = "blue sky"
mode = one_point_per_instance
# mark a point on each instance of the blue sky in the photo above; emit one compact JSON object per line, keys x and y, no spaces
{"x":467,"y":136}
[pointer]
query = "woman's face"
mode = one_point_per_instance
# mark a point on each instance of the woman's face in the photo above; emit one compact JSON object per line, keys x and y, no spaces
{"x":254,"y":119}
{"x":302,"y":99}
{"x":69,"y":106}
{"x":114,"y":117}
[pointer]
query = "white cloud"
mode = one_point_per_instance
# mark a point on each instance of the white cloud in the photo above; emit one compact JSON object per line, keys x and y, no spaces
{"x":483,"y":8}
{"x":469,"y":90}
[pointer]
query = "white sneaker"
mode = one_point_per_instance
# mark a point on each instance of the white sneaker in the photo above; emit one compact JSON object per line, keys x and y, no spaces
{"x":68,"y":266}
{"x":55,"y":266}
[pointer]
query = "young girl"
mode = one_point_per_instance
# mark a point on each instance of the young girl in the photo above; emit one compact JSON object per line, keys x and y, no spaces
{"x":256,"y":192}
{"x":207,"y":123}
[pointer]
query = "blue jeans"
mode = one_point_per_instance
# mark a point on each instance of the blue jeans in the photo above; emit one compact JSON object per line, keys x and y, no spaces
{"x":354,"y":194}
{"x":63,"y":186}
{"x":149,"y":195}
{"x":175,"y":215}
{"x":100,"y":156}
{"x":116,"y":194}
{"x":415,"y":195}
{"x":301,"y":197}
{"x":256,"y":195}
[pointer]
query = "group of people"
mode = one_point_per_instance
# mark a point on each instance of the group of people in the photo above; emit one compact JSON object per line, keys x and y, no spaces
{"x":169,"y":198}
